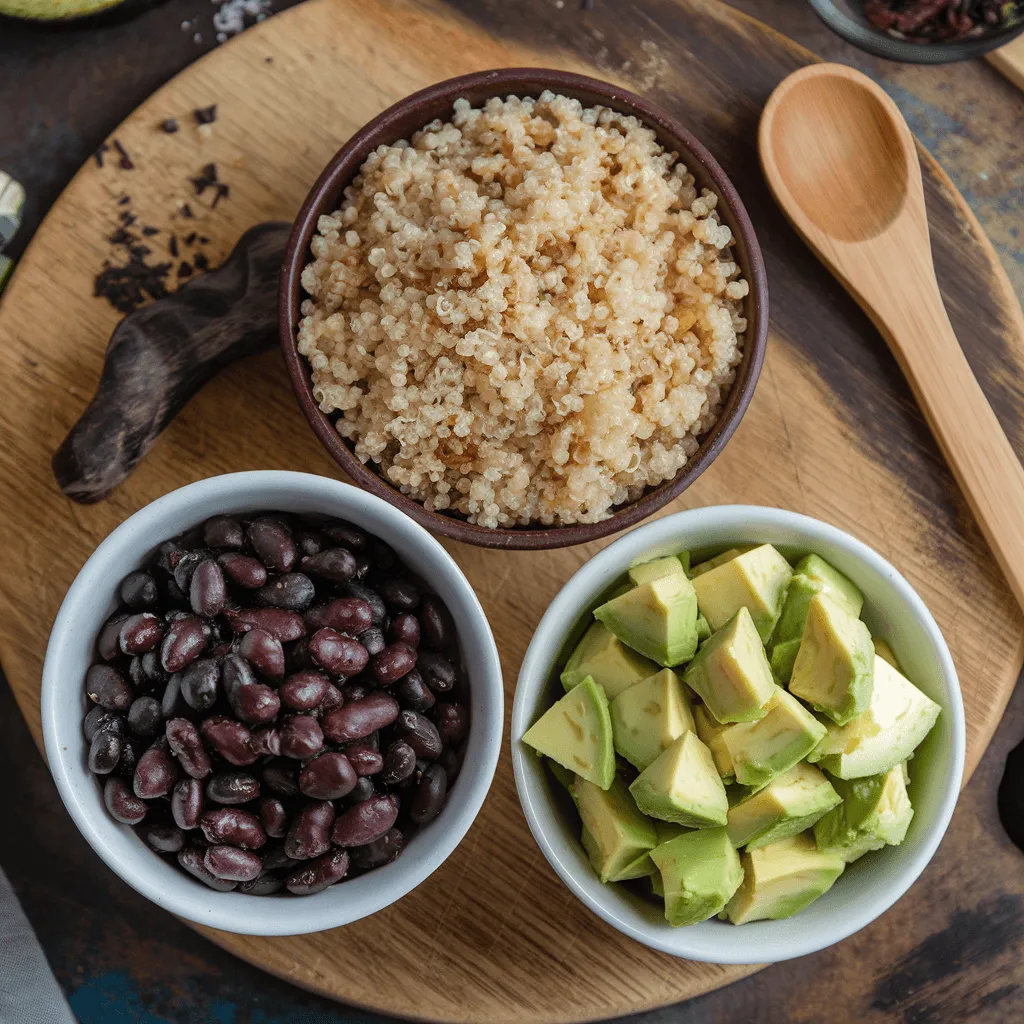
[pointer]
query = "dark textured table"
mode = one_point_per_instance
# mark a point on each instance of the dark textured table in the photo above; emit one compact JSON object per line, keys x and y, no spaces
{"x":952,"y":951}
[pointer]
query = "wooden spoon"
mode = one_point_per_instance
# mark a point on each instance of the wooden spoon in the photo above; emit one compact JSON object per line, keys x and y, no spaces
{"x":843,"y":166}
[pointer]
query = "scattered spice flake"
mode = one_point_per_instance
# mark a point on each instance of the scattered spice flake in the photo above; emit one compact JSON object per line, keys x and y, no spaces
{"x":185,"y":270}
{"x":121,"y":237}
{"x":149,"y":231}
{"x":170,"y":126}
{"x":128,"y":287}
{"x":128,"y":218}
{"x":203,"y":240}
{"x":268,"y":60}
{"x":186,"y":211}
{"x":125,"y":163}
{"x":206,"y":178}
{"x":205,"y":115}
{"x":201,"y":262}
{"x":223,"y":191}
{"x":190,"y":238}
{"x":124,"y":200}
{"x":172,"y":246}
{"x":98,"y":155}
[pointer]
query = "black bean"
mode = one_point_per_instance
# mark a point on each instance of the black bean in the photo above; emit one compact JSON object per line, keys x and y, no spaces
{"x":124,"y":806}
{"x":393,"y":662}
{"x":301,"y":737}
{"x":243,"y":570}
{"x":364,"y":822}
{"x":230,"y":739}
{"x":172,"y":703}
{"x":347,"y":536}
{"x":156,"y":772}
{"x":151,"y":672}
{"x":335,"y":564}
{"x":428,"y":798}
{"x":223,"y":532}
{"x":362,"y":790}
{"x":100,"y":718}
{"x":438,"y":673}
{"x":139,"y":633}
{"x":304,"y":691}
{"x":380,"y":852}
{"x":264,"y":652}
{"x":184,"y":641}
{"x":105,"y":686}
{"x":310,"y":833}
{"x":187,"y":803}
{"x":412,"y":692}
{"x":327,"y":777}
{"x":208,"y":590}
{"x":281,"y":777}
{"x":272,"y":543}
{"x":191,"y":859}
{"x":285,"y":625}
{"x":163,"y":838}
{"x":332,"y":699}
{"x":373,"y":640}
{"x":350,"y":615}
{"x":399,"y":763}
{"x":378,"y":612}
{"x":310,"y":542}
{"x":187,"y":746}
{"x":105,"y":751}
{"x":198,"y":683}
{"x":187,"y":565}
{"x":139,"y":591}
{"x":384,"y":557}
{"x":339,"y":655}
{"x":232,"y":863}
{"x":292,"y":590}
{"x":256,"y":704}
{"x":233,"y":825}
{"x":275,"y":859}
{"x":360,"y":718}
{"x":451,"y":761}
{"x":452,"y":721}
{"x":108,"y":643}
{"x":421,"y":734}
{"x":399,"y":595}
{"x":405,"y":628}
{"x":266,"y":883}
{"x":273,"y":817}
{"x":356,"y":690}
{"x":435,"y":623}
{"x":364,"y":756}
{"x":319,"y":874}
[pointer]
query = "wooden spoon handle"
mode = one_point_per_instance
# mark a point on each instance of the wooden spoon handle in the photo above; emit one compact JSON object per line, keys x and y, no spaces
{"x":961,"y":418}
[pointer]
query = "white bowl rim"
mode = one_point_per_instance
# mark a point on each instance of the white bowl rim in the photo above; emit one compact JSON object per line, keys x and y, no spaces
{"x":236,"y":912}
{"x":611,"y":562}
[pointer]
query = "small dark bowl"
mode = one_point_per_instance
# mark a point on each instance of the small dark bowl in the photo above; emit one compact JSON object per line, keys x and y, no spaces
{"x":400,"y":122}
{"x":846,"y":18}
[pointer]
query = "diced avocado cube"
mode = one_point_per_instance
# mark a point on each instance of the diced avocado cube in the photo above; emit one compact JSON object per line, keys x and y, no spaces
{"x":794,"y":611}
{"x":782,"y":659}
{"x":644,"y":572}
{"x":657,"y":886}
{"x":883,"y":650}
{"x":894,"y":724}
{"x":834,"y":667}
{"x":837,"y":586}
{"x":703,"y":629}
{"x":700,"y":871}
{"x":755,"y":580}
{"x":576,"y":731}
{"x":786,"y":806}
{"x":713,"y":563}
{"x":683,"y":786}
{"x":615,"y":834}
{"x":647,"y":717}
{"x":667,"y":830}
{"x":875,"y":811}
{"x":563,"y":776}
{"x":607,"y":660}
{"x":731,"y":673}
{"x":782,"y":879}
{"x":772,"y":745}
{"x":658,"y":619}
{"x":710,"y":732}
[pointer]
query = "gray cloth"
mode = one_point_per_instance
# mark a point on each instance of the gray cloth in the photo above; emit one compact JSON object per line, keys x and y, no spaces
{"x":29,"y":993}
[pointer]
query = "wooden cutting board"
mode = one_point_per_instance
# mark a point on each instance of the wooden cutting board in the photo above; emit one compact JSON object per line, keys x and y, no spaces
{"x":493,"y":936}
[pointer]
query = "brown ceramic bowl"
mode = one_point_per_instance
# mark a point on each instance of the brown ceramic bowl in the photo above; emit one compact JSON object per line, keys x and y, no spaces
{"x":400,"y":122}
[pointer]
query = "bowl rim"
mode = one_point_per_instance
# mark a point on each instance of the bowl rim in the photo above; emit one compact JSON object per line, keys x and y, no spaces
{"x":241,"y":914}
{"x":879,"y":44}
{"x":387,"y":127}
{"x":536,"y":673}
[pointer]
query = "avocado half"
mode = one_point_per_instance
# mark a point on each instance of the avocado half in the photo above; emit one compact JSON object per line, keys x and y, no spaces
{"x":55,"y":10}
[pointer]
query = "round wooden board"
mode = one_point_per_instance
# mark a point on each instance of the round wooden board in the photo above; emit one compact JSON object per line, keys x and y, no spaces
{"x":494,"y":936}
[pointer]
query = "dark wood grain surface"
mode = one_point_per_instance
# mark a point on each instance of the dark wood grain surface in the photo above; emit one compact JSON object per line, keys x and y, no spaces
{"x":955,"y":956}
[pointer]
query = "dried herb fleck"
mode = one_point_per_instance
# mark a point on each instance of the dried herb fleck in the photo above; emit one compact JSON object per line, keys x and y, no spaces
{"x":170,"y":126}
{"x":125,"y":163}
{"x":205,"y":115}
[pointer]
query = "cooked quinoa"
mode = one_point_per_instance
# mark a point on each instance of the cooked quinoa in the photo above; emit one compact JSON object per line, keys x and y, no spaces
{"x":525,"y":315}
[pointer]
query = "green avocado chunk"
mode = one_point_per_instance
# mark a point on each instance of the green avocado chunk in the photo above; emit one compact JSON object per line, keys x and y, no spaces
{"x":782,"y":879}
{"x":834,"y":668}
{"x":576,"y":731}
{"x":616,"y":836}
{"x":875,"y":811}
{"x":836,"y":585}
{"x":883,"y":650}
{"x":710,"y":732}
{"x":782,"y":659}
{"x":54,"y":10}
{"x":658,"y":619}
{"x":699,"y":872}
{"x":683,"y":786}
{"x":755,"y":580}
{"x":730,"y":672}
{"x":645,"y":572}
{"x":607,"y":660}
{"x":713,"y":563}
{"x":649,"y":716}
{"x":786,"y":806}
{"x":897,"y":719}
{"x":772,"y":745}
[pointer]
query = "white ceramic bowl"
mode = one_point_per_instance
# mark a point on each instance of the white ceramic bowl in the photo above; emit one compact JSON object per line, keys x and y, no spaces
{"x":70,"y":652}
{"x":868,"y":887}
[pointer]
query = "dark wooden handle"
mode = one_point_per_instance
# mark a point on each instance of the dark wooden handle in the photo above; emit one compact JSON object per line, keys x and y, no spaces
{"x":161,"y":355}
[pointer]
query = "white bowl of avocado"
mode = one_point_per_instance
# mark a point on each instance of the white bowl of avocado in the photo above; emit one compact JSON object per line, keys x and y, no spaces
{"x":738,"y":734}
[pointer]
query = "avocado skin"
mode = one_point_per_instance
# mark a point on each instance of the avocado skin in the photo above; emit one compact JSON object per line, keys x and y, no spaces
{"x":74,"y":13}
